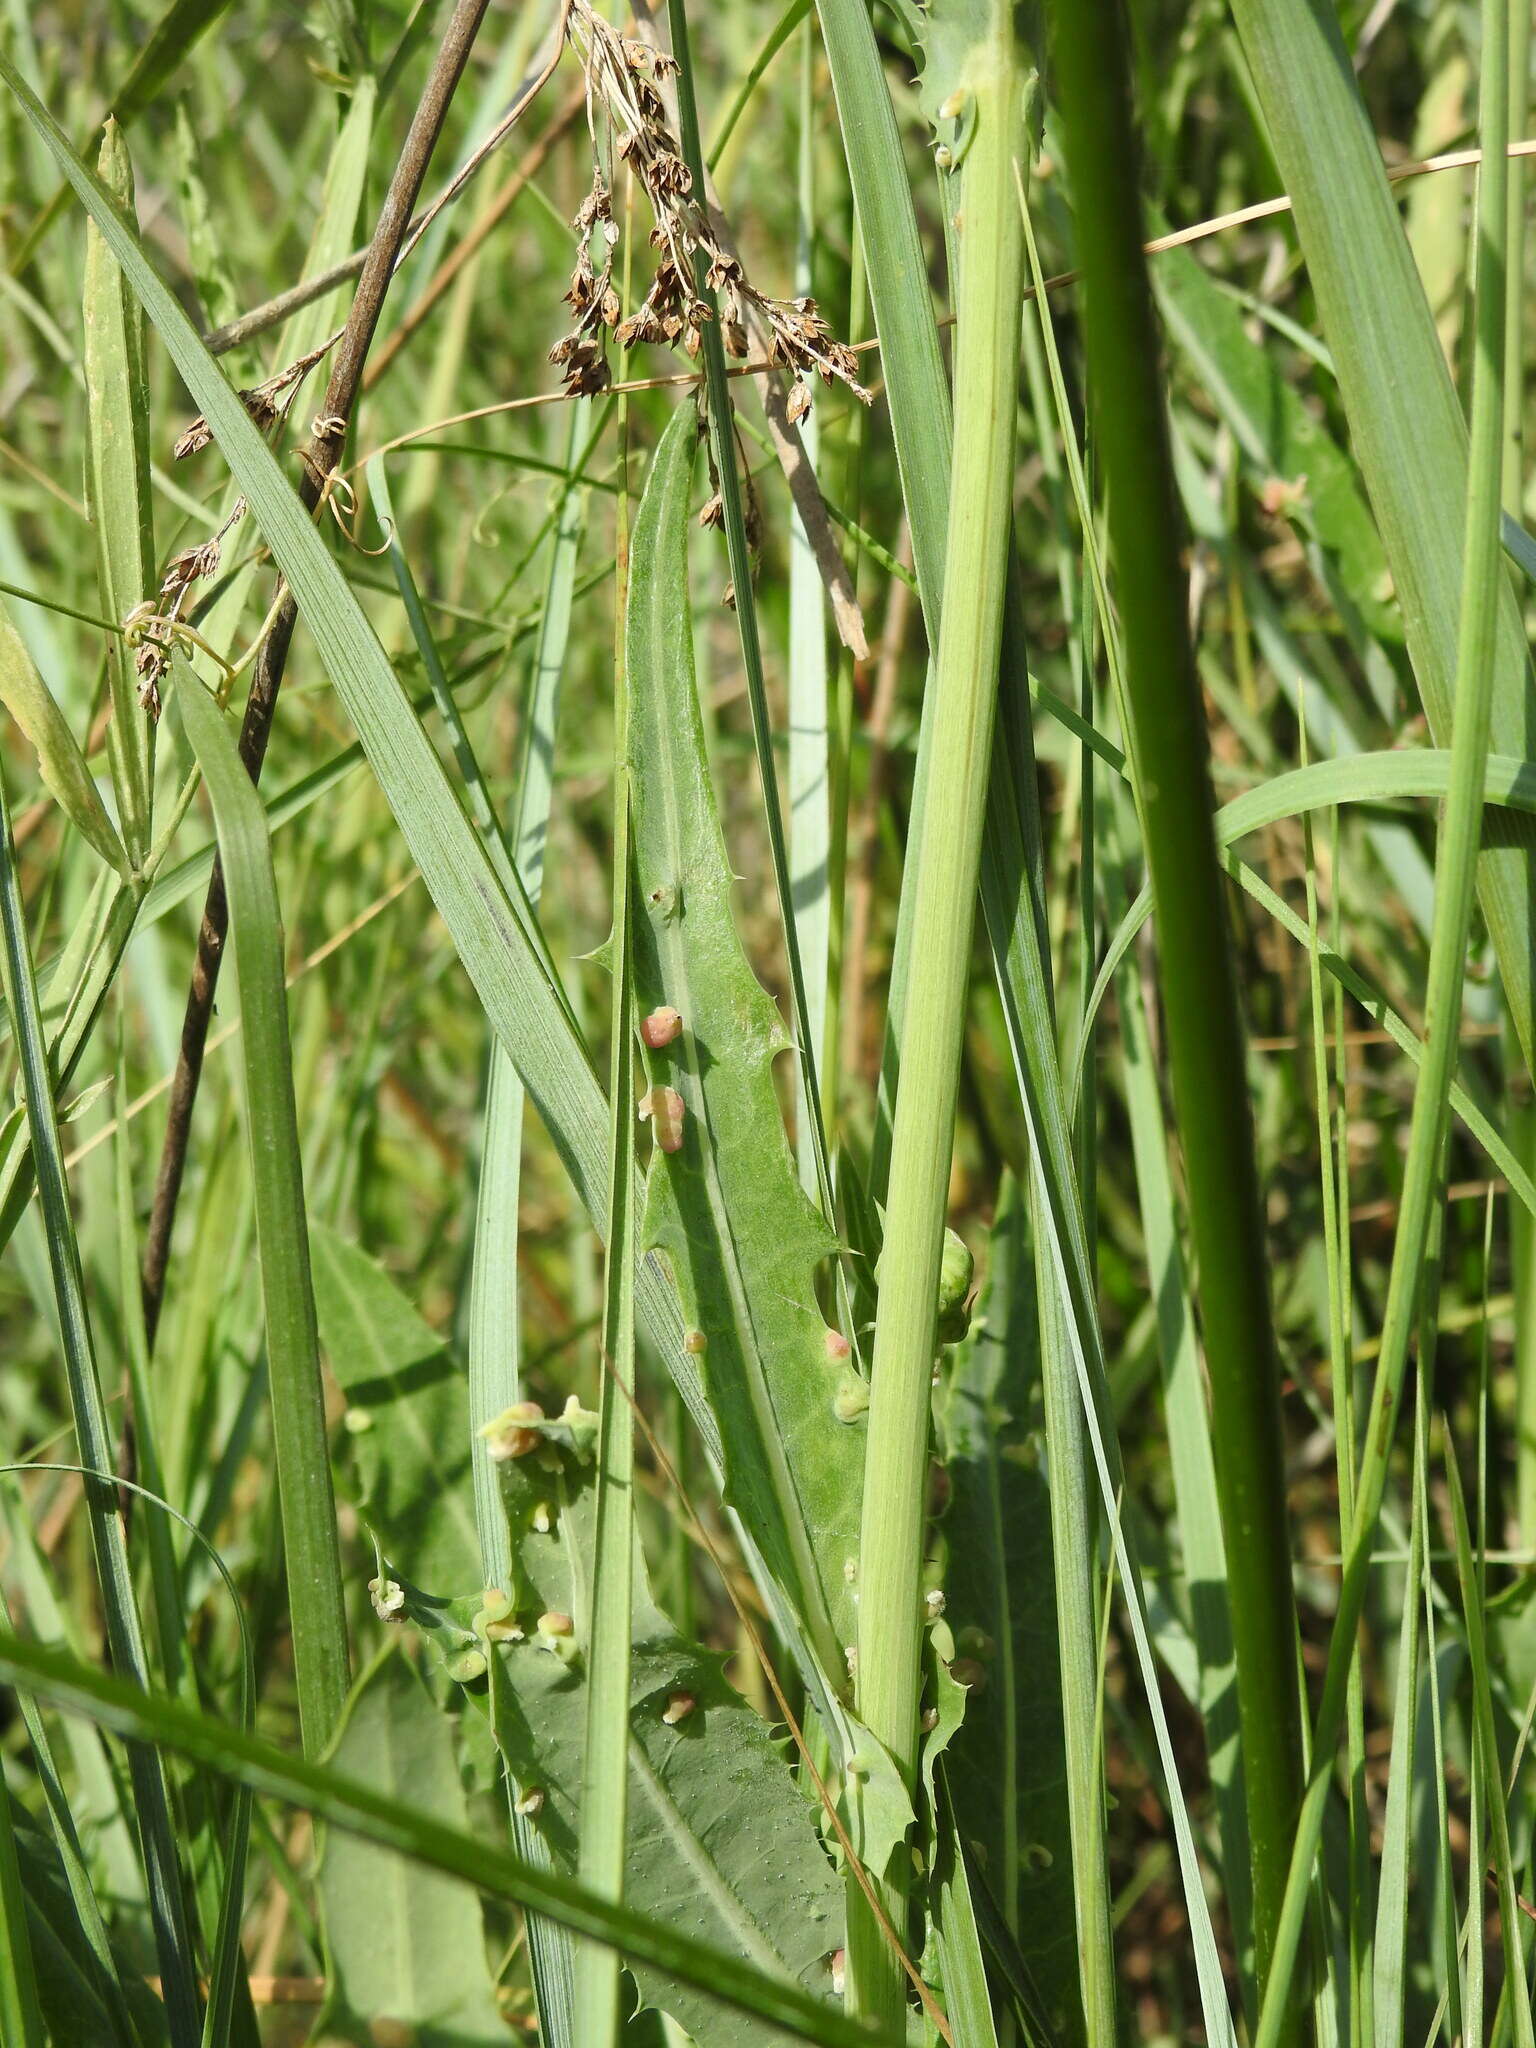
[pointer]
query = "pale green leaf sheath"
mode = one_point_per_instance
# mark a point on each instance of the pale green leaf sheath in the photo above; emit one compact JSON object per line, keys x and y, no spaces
{"x":723,"y":1203}
{"x":984,"y":104}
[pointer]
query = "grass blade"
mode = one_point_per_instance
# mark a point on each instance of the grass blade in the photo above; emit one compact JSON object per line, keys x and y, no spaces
{"x":312,"y":1551}
{"x":1483,"y":594}
{"x":118,"y":495}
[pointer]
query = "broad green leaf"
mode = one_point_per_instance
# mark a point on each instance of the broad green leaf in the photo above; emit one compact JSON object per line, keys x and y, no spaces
{"x":1004,"y":1768}
{"x":60,"y":760}
{"x":407,"y":1417}
{"x":118,"y":493}
{"x":720,"y":1842}
{"x":405,"y":1945}
{"x":725,"y":1208}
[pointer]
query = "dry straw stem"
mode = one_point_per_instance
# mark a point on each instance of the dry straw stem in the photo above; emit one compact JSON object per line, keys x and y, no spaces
{"x":319,"y":462}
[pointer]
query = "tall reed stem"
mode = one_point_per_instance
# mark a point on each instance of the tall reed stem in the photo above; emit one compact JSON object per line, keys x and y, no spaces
{"x":1169,"y":749}
{"x":988,"y":103}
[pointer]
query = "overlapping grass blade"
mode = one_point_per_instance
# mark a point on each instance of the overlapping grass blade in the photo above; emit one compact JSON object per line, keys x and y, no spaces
{"x":1406,"y":427}
{"x":498,"y":951}
{"x":394,"y":1824}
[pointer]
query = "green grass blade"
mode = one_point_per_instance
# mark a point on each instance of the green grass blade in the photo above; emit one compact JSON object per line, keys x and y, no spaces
{"x":124,"y":1629}
{"x":118,"y":495}
{"x":605,"y":1746}
{"x":494,"y":1371}
{"x":1406,"y":427}
{"x":393,"y":1824}
{"x":810,"y":816}
{"x":1392,"y":1900}
{"x":317,"y":1607}
{"x":21,"y":2019}
{"x":1486,"y":1736}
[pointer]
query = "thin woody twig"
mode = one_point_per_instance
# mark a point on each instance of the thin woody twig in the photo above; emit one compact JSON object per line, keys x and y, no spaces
{"x":320,"y":459}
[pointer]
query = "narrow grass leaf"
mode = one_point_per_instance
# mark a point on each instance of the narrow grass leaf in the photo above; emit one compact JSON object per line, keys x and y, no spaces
{"x":88,"y":1411}
{"x":118,"y":494}
{"x":311,"y":1546}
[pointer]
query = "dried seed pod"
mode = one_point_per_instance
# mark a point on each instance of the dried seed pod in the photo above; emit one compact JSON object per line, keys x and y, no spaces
{"x":661,"y":1027}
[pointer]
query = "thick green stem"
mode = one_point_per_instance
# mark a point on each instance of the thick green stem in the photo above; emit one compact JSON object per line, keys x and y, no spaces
{"x":988,"y":106}
{"x":1204,"y":1024}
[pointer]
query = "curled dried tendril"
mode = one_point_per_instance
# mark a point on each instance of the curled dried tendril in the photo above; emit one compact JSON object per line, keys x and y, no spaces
{"x":623,"y":78}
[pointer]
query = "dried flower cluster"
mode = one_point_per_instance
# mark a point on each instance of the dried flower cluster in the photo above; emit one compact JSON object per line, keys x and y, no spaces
{"x":623,"y":77}
{"x":152,"y":627}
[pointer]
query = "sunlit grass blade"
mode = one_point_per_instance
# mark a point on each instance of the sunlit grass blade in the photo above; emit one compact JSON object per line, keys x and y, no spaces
{"x":987,"y":88}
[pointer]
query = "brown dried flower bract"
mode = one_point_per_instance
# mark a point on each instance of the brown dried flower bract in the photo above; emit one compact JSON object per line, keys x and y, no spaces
{"x":622,"y":92}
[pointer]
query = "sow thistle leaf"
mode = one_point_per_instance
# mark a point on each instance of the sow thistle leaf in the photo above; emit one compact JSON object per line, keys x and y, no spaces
{"x":720,"y":1843}
{"x":60,"y":761}
{"x":725,"y":1208}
